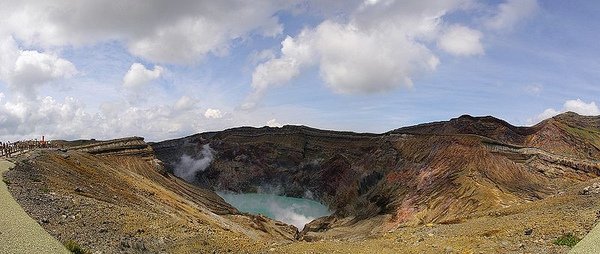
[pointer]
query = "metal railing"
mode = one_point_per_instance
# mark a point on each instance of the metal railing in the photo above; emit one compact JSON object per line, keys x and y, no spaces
{"x":8,"y":149}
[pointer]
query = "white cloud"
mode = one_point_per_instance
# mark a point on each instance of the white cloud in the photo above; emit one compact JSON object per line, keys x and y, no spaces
{"x":213,"y":113}
{"x":384,"y":61}
{"x":40,"y":116}
{"x":296,"y":54}
{"x":22,"y":117}
{"x":359,"y":47}
{"x":273,"y":123}
{"x":578,"y":106}
{"x":33,"y":67}
{"x":70,"y":118}
{"x":511,"y":13}
{"x":550,"y":112}
{"x":582,"y":108}
{"x":534,"y":89}
{"x":184,"y":103}
{"x":25,"y":70}
{"x":154,"y":122}
{"x":461,"y":41}
{"x":160,"y":31}
{"x":261,"y":56}
{"x":381,"y":46}
{"x":138,"y":76}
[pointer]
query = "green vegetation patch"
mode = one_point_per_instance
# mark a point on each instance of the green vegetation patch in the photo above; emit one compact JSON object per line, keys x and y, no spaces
{"x":592,"y":136}
{"x":567,"y":239}
{"x":75,"y":248}
{"x":7,"y":182}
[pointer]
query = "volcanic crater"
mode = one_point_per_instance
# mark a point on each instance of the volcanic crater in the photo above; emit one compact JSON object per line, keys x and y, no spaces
{"x":468,"y":184}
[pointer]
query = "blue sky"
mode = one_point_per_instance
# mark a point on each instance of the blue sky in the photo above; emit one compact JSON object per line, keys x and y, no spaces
{"x":164,"y":70}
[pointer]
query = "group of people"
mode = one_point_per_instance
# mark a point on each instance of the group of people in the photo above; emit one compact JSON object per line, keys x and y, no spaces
{"x":8,"y":148}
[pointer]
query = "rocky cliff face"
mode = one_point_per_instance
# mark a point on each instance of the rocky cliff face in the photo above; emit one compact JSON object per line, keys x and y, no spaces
{"x":441,"y":172}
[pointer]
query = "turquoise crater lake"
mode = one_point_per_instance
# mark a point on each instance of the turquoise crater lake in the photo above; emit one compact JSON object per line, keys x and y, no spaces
{"x":293,"y":211}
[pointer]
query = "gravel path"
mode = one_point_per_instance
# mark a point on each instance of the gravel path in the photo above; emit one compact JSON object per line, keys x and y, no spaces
{"x":19,"y":233}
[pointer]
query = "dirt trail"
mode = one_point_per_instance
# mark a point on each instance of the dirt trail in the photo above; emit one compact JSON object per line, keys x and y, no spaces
{"x":19,"y":233}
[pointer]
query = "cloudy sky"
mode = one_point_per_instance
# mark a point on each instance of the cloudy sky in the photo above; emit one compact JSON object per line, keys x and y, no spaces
{"x":166,"y":69}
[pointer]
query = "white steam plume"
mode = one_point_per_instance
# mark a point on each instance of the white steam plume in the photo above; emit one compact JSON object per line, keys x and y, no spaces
{"x":188,"y":167}
{"x":293,"y":214}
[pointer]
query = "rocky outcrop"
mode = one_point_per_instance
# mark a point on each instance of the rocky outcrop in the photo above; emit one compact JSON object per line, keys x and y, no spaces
{"x":592,"y":189}
{"x":525,"y":154}
{"x":132,"y":146}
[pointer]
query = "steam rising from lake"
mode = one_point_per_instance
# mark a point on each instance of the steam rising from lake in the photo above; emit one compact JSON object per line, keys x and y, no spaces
{"x":188,"y":167}
{"x":293,"y":211}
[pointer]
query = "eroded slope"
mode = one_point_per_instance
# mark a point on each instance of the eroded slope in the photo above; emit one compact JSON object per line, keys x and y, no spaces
{"x":121,"y":202}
